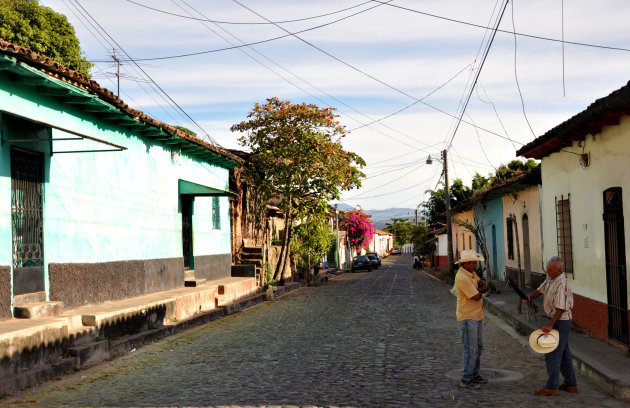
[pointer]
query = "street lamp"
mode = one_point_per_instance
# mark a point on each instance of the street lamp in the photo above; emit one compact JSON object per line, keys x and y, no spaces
{"x":449,"y":237}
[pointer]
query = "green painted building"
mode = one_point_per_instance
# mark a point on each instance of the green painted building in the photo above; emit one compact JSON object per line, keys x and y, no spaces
{"x":99,"y":201}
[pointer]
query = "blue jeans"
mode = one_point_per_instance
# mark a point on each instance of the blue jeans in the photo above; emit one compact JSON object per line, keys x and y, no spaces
{"x":559,"y":361}
{"x":472,"y":341}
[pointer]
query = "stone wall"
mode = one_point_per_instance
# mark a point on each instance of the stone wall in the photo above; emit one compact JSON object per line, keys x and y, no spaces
{"x":78,"y":284}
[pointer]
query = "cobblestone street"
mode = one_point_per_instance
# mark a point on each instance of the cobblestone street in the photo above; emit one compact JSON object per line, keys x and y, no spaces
{"x":386,"y":338}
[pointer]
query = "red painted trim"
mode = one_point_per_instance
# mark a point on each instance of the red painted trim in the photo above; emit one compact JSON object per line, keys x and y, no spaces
{"x":591,"y":317}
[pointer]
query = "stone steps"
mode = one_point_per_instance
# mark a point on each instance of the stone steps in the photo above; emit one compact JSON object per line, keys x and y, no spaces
{"x":19,"y":300}
{"x":38,"y":310}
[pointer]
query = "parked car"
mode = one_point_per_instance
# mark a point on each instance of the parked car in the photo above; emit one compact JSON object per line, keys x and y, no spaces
{"x":376,"y":255}
{"x":374,"y":260}
{"x":361,"y":262}
{"x":396,"y":251}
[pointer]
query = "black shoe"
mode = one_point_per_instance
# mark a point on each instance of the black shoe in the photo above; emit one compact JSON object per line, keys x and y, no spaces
{"x":479,"y":380}
{"x":469,"y":384}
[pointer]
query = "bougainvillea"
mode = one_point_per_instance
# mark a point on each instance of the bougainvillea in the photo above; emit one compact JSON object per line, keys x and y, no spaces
{"x":359,"y":228}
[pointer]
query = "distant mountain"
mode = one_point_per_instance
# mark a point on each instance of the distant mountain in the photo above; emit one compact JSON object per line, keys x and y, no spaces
{"x":382,"y":217}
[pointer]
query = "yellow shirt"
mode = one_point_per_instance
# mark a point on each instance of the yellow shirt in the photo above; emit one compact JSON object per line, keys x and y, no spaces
{"x":466,"y":286}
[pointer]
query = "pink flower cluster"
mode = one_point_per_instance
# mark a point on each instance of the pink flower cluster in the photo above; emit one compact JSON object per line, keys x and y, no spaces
{"x":358,"y":227}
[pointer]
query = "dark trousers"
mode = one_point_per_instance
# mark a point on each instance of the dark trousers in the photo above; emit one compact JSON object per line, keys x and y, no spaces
{"x":559,"y":361}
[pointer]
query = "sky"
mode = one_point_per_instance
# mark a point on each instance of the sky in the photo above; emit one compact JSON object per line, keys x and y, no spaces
{"x":398,"y":73}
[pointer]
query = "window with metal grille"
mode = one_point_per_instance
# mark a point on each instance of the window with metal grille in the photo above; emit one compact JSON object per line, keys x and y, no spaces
{"x":216,"y":213}
{"x":563,"y":232}
{"x":510,"y":238}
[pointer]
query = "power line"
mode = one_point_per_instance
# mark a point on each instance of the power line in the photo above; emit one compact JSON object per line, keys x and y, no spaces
{"x":389,"y":193}
{"x":191,"y":54}
{"x":537,"y":37}
{"x":472,"y":70}
{"x":518,"y":86}
{"x":481,"y":144}
{"x":495,"y":111}
{"x":288,"y":71}
{"x":248,"y":23}
{"x":478,"y":73}
{"x":94,"y":31}
{"x":389,"y":182}
{"x":400,"y":168}
{"x":303,"y":80}
{"x":414,"y":103}
{"x":148,"y":76}
{"x":363,"y":72}
{"x":391,"y":5}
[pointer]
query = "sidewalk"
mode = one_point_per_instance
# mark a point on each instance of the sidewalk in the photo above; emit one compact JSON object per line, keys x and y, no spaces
{"x":37,"y":350}
{"x":604,"y":364}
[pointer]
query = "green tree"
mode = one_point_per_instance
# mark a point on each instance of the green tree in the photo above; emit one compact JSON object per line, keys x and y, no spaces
{"x":479,"y":182}
{"x":512,"y":169}
{"x":311,"y":241}
{"x":459,"y":192}
{"x":421,"y":239}
{"x":435,"y":206}
{"x":402,"y":229}
{"x":297,"y":157}
{"x":46,"y":32}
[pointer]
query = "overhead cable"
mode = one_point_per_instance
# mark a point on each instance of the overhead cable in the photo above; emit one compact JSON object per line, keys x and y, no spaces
{"x":518,"y":86}
{"x":363,"y":72}
{"x":255,"y":42}
{"x":248,"y":23}
{"x":148,"y":76}
{"x":478,"y":73}
{"x":538,"y":37}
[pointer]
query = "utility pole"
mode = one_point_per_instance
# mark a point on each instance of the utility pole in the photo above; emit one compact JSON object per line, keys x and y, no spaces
{"x":416,"y":216}
{"x":117,"y":61}
{"x":449,"y":237}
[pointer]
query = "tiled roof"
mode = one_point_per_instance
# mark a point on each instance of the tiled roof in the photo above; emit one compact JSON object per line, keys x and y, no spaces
{"x":602,"y":112}
{"x":52,"y":69}
{"x":379,"y":232}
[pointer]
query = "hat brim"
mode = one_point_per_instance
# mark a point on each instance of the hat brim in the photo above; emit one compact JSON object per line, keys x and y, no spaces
{"x":533,"y":341}
{"x":470,"y":260}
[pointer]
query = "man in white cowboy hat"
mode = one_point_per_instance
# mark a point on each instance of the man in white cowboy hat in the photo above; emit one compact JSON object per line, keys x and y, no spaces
{"x":469,"y":288}
{"x":558,"y":302}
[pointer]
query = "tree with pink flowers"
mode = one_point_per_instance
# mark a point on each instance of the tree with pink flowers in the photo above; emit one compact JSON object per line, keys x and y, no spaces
{"x":359,"y":228}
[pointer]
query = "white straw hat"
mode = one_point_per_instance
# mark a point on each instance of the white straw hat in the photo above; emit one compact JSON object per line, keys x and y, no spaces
{"x":469,"y":255}
{"x":544,"y":343}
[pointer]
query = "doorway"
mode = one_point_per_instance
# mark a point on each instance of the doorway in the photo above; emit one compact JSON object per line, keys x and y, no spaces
{"x":27,"y":223}
{"x":616,"y":279}
{"x":187,"y":230}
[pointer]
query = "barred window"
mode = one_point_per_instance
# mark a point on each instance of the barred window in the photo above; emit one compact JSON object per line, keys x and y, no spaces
{"x":510,"y":238}
{"x":216,"y":213}
{"x":563,"y":232}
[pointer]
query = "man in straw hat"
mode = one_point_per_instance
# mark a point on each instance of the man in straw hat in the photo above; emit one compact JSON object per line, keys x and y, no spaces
{"x":469,"y":288}
{"x":557,"y":303}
